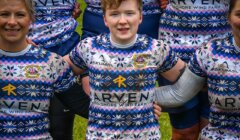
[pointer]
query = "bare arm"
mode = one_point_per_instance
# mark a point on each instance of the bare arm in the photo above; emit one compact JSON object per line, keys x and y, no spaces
{"x":174,"y":73}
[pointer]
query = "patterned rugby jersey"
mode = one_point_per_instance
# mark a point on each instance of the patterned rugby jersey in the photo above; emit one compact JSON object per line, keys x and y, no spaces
{"x":149,"y":7}
{"x":219,"y":62}
{"x":54,"y":22}
{"x":186,"y":24}
{"x":122,"y":85}
{"x":28,"y":80}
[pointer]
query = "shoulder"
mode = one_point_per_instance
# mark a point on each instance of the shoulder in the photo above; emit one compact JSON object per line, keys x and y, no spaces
{"x":45,"y":55}
{"x":91,"y":39}
{"x":216,"y":45}
{"x":160,"y":45}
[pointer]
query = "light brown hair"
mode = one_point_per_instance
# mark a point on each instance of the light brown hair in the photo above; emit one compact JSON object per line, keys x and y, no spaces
{"x":30,"y":8}
{"x":116,"y":3}
{"x":231,"y":6}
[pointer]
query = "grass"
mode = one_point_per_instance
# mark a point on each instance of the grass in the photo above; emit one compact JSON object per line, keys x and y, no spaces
{"x":80,"y":124}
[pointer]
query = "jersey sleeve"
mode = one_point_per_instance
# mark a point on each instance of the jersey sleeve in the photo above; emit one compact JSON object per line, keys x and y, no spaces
{"x":166,"y":57}
{"x":79,"y":54}
{"x":64,"y":77}
{"x":199,"y":60}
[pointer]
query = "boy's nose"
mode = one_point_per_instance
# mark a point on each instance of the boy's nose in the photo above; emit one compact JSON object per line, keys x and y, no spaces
{"x":122,"y":19}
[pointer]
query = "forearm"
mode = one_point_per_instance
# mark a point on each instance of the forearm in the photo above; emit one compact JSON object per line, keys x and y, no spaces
{"x":187,"y":86}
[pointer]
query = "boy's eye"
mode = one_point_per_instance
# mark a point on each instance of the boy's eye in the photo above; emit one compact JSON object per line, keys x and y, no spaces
{"x":113,"y":14}
{"x":130,"y":13}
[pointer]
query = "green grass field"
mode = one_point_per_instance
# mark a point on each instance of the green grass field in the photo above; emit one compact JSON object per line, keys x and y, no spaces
{"x":80,"y":124}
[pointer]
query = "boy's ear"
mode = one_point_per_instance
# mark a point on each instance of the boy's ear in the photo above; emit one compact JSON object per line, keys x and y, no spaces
{"x":105,"y":21}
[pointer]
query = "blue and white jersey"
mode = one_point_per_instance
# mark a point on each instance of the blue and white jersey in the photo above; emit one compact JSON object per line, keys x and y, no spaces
{"x":122,"y":85}
{"x":186,"y":24}
{"x":54,"y":22}
{"x":28,"y":79}
{"x":219,"y":62}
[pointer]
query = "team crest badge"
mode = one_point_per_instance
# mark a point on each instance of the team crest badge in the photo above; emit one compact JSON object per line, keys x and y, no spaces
{"x":32,"y":71}
{"x":140,"y":60}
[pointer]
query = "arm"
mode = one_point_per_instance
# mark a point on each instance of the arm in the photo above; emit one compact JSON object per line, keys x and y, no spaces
{"x":64,"y":85}
{"x":187,"y":86}
{"x":175,"y":72}
{"x":78,"y":71}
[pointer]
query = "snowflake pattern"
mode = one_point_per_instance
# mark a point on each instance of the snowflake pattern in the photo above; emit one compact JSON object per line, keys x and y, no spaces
{"x":122,"y":85}
{"x":186,"y":30}
{"x":9,"y":71}
{"x":223,"y":78}
{"x":30,"y":96}
{"x":51,"y":30}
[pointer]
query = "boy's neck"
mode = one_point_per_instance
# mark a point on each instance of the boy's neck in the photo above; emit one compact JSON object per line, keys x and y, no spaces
{"x":123,"y":46}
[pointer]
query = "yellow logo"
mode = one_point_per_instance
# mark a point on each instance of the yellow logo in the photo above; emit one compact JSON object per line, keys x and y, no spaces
{"x":32,"y":71}
{"x":120,"y":80}
{"x":10,"y":89}
{"x":140,"y":60}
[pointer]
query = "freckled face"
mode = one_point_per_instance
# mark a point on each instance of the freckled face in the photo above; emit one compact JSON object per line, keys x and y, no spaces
{"x":123,"y":21}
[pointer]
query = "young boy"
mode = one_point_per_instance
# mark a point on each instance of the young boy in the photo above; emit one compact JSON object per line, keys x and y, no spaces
{"x":123,"y":67}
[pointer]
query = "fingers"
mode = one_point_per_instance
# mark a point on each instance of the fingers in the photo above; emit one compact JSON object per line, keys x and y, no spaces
{"x":31,"y":42}
{"x":157,"y":111}
{"x":76,"y":11}
{"x":86,"y":85}
{"x":164,"y":4}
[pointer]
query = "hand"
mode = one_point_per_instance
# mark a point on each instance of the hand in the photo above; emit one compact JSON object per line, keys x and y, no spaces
{"x":164,"y":4}
{"x":157,"y":110}
{"x":76,"y":11}
{"x":86,"y":85}
{"x":31,"y":42}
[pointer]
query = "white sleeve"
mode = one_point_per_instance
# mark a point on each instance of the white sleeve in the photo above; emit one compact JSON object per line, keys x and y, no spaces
{"x":187,"y":86}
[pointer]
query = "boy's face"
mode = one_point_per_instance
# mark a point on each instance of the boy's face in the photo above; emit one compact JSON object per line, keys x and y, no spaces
{"x":123,"y":21}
